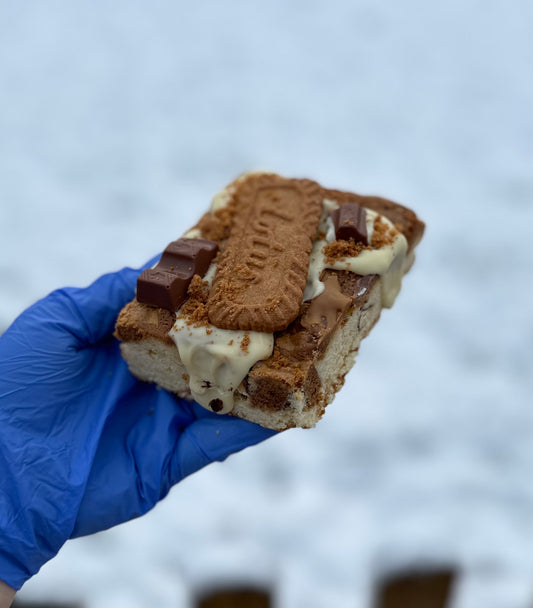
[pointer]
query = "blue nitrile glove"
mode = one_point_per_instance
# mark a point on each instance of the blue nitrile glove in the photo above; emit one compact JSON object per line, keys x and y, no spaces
{"x":83,"y":444}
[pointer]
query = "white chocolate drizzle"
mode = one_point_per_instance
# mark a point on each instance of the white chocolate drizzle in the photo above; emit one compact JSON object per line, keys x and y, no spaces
{"x":193,"y":233}
{"x":216,"y":359}
{"x":217,"y":362}
{"x":387,"y":261}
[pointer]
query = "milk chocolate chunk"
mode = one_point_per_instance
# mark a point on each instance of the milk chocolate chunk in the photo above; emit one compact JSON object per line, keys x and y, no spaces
{"x":262,"y":272}
{"x":350,"y":223}
{"x":311,"y":332}
{"x":326,"y":309}
{"x":165,"y":286}
{"x":192,"y":255}
{"x":158,"y":287}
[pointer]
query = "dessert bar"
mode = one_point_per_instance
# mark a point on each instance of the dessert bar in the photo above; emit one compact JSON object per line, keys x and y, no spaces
{"x":259,"y":310}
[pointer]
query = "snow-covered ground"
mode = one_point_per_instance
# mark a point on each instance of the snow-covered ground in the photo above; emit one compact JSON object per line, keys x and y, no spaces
{"x":118,"y":122}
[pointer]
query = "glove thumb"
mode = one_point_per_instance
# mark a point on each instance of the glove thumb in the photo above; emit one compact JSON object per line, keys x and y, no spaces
{"x":95,"y":308}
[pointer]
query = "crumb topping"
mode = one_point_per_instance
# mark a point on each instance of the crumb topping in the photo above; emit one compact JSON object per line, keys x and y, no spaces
{"x":280,"y":361}
{"x":216,"y":226}
{"x":245,"y":342}
{"x":194,"y":309}
{"x":383,"y":234}
{"x":343,"y":249}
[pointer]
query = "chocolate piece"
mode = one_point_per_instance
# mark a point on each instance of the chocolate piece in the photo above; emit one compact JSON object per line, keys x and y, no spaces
{"x":403,"y":218}
{"x":262,"y":273}
{"x":165,"y":286}
{"x":158,"y":287}
{"x":310,"y":334}
{"x":326,"y":309}
{"x":216,"y":404}
{"x":193,"y":255}
{"x":350,"y":223}
{"x":354,"y":285}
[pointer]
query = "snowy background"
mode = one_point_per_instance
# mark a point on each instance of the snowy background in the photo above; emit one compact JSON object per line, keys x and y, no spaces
{"x":118,"y":122}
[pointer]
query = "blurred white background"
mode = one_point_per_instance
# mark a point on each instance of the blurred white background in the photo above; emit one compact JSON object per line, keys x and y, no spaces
{"x":119,"y":121}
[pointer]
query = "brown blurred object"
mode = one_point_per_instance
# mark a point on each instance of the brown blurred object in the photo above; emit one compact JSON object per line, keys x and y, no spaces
{"x":22,"y":604}
{"x":430,"y":589}
{"x":235,"y":598}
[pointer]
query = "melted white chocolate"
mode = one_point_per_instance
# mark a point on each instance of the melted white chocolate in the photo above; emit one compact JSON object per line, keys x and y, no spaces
{"x":317,"y":261}
{"x":314,"y":286}
{"x":218,"y":361}
{"x":215,"y":359}
{"x":386,"y":261}
{"x":193,"y":233}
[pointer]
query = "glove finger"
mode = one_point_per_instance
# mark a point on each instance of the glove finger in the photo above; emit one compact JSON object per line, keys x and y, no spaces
{"x":99,"y":304}
{"x":151,"y":442}
{"x":129,"y":472}
{"x":213,"y":438}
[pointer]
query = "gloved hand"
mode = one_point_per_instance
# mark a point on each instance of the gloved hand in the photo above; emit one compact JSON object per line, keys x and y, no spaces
{"x":83,"y":444}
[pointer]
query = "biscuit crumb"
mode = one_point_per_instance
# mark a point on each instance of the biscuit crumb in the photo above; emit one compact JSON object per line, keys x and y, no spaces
{"x":280,"y":361}
{"x":216,"y":226}
{"x":383,"y":234}
{"x":245,"y":343}
{"x":337,"y":250}
{"x":194,"y":310}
